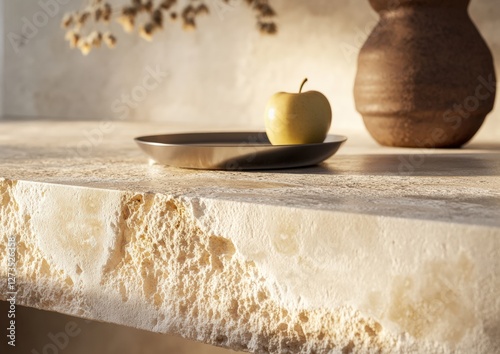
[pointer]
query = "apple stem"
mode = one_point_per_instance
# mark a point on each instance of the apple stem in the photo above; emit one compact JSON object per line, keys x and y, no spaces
{"x":302,"y":86}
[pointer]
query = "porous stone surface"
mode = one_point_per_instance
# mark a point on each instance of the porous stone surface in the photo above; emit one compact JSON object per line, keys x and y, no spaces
{"x":376,"y":251}
{"x":42,"y":332}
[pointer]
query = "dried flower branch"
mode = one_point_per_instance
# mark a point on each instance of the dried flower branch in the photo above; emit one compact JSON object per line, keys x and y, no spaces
{"x":147,"y":17}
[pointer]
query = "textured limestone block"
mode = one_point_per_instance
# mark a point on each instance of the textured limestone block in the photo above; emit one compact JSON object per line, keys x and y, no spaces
{"x":259,"y":278}
{"x":376,"y":251}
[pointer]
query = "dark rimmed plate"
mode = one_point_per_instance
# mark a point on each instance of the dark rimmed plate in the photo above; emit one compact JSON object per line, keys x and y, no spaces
{"x":234,"y":151}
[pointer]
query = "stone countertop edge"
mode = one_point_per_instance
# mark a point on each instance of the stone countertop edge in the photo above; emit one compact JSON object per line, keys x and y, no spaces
{"x":258,"y":275}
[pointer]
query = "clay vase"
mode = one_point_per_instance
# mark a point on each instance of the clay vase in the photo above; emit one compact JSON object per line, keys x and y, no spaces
{"x":425,"y":75}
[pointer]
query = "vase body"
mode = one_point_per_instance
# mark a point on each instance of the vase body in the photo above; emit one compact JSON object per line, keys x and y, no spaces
{"x":425,"y":75}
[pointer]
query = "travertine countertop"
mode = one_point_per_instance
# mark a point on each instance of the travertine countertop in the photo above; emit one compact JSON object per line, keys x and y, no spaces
{"x":376,"y":249}
{"x":459,"y":186}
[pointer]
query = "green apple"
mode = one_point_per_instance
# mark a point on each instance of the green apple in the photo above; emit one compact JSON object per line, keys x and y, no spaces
{"x":298,"y":118}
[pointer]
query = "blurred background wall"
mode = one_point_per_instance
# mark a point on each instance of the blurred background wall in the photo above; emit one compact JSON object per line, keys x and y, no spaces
{"x":220,"y":75}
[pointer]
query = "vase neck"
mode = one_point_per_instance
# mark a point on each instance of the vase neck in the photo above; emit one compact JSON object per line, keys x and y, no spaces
{"x":388,"y":5}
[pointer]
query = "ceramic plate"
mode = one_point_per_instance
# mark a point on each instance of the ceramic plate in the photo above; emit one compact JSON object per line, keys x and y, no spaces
{"x":234,"y":151}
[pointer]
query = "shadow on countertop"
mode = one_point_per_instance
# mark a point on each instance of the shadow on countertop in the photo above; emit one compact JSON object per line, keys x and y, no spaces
{"x":423,"y":164}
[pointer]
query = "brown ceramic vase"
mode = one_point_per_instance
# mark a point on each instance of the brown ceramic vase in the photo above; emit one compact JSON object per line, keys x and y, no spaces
{"x":425,"y":75}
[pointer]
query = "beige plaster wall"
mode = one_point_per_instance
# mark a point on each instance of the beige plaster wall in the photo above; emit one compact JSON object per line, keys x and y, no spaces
{"x":221,"y":75}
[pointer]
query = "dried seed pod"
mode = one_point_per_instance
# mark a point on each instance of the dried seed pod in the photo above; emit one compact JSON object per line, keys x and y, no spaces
{"x":67,"y":21}
{"x":73,"y":38}
{"x":167,"y":4}
{"x":202,"y":9}
{"x":127,"y":23}
{"x":147,"y":31}
{"x":157,"y":18}
{"x":267,"y":27}
{"x":148,"y":6}
{"x":189,"y":12}
{"x":129,"y":11}
{"x":127,"y":19}
{"x":189,"y":24}
{"x":107,"y":12}
{"x":85,"y":46}
{"x":109,"y":40}
{"x":95,"y":39}
{"x":83,"y":17}
{"x":266,"y":11}
{"x":98,"y":14}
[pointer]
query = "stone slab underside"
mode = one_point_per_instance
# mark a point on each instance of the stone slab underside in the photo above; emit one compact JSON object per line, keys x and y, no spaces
{"x":260,"y":278}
